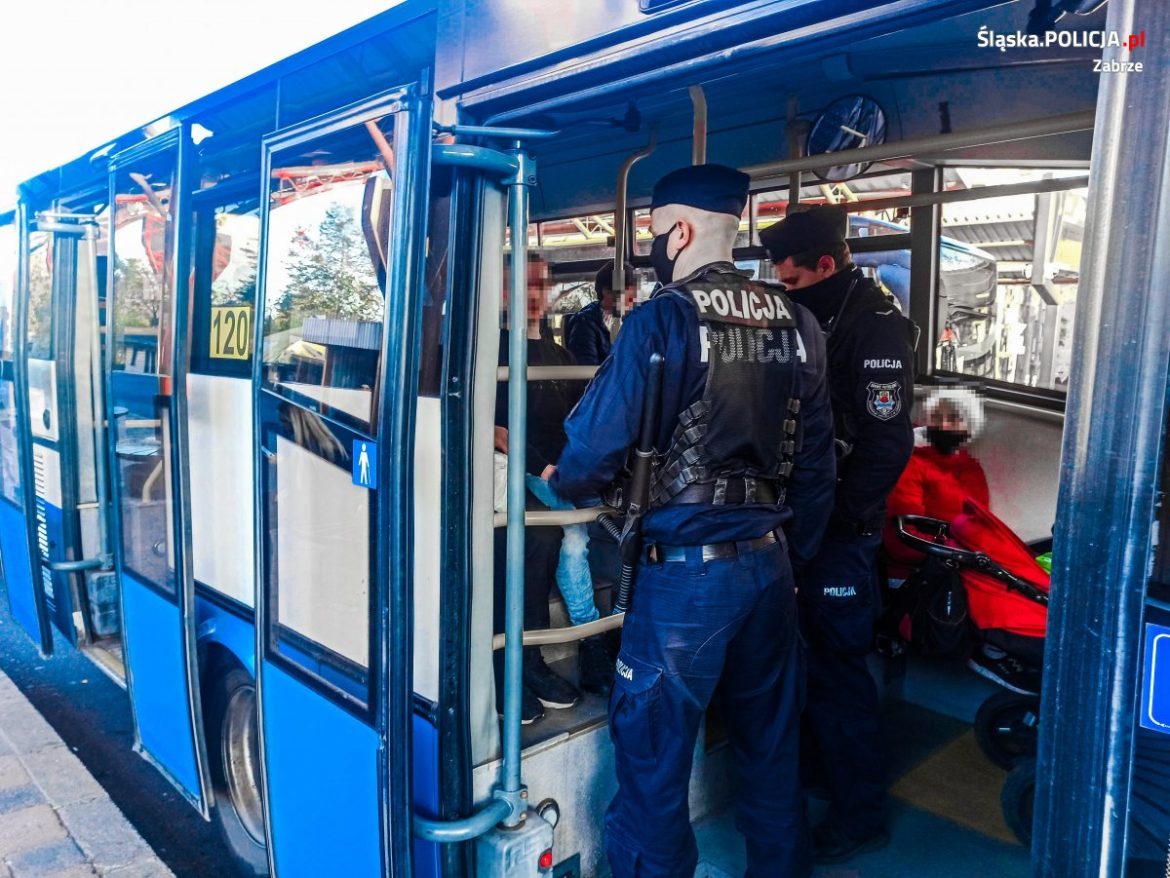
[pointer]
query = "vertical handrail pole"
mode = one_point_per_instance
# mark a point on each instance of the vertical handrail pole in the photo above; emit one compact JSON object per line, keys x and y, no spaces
{"x":699,"y":126}
{"x":621,"y":219}
{"x":98,"y":403}
{"x":517,"y":432}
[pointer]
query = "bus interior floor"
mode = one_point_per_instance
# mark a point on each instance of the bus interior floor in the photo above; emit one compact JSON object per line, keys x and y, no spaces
{"x":944,"y":812}
{"x":590,"y":711}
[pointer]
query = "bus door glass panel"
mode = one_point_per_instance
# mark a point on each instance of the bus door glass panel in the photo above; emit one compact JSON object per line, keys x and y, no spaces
{"x":25,"y":596}
{"x":52,"y":267}
{"x":98,"y":588}
{"x":226,"y":247}
{"x":328,"y":232}
{"x":141,"y":407}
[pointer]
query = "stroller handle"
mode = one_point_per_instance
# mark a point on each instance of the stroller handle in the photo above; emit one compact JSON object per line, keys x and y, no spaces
{"x":960,"y":557}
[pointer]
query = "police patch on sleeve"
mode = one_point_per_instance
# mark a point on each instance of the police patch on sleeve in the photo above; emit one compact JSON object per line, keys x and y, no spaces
{"x":883,"y":401}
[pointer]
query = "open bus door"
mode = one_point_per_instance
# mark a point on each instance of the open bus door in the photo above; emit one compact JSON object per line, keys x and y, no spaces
{"x":58,"y":388}
{"x":26,"y":597}
{"x":147,"y":360}
{"x":335,"y":391}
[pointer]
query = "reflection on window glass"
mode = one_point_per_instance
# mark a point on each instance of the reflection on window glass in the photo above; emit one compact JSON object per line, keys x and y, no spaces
{"x":40,"y":296}
{"x":1009,"y":269}
{"x":142,"y":251}
{"x":9,"y":459}
{"x":330,"y":207}
{"x":227,"y":249}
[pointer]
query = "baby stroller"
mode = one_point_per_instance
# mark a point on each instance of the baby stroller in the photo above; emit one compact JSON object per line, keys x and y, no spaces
{"x":981,"y":587}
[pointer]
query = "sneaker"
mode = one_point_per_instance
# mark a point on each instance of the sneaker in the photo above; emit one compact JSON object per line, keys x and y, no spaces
{"x":551,"y":690}
{"x":595,"y":666}
{"x":833,"y":845}
{"x":1007,"y":671}
{"x":530,"y":709}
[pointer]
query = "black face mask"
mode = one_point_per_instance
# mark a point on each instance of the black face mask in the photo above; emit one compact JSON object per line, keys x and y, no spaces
{"x":663,"y":264}
{"x":946,"y":441}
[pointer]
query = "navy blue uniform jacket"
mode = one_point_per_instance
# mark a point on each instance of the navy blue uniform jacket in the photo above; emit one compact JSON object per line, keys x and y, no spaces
{"x":605,"y":425}
{"x":588,"y":338}
{"x":871,"y":379}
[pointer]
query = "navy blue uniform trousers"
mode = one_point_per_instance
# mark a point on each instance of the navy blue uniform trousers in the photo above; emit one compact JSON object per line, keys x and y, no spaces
{"x":839,"y":605}
{"x":692,"y":624}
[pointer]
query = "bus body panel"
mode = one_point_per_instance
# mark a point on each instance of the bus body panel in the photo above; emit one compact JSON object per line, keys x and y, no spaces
{"x":326,"y":786}
{"x":150,"y":622}
{"x":226,"y":629}
{"x":425,"y":791}
{"x":18,"y":580}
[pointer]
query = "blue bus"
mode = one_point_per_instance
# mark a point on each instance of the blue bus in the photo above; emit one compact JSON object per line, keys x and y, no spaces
{"x":250,"y":360}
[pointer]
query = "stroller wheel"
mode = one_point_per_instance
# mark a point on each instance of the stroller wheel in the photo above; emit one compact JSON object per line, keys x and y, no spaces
{"x":1017,"y":799}
{"x":1006,"y":727}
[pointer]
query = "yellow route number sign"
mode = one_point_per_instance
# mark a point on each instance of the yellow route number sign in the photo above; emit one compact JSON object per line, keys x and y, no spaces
{"x":231,"y":332}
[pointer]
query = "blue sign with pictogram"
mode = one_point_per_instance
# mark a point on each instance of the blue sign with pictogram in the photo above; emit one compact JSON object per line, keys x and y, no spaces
{"x":365,"y":463}
{"x":1156,"y":680}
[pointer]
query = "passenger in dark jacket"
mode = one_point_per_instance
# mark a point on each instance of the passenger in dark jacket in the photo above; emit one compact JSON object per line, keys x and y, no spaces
{"x":587,"y":336}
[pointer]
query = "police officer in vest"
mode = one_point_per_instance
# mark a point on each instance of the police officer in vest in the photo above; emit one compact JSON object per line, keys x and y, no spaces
{"x":745,"y":476}
{"x":871,"y":379}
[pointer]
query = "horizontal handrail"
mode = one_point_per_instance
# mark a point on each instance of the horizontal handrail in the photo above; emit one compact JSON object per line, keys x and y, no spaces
{"x":552,"y":373}
{"x":549,"y":636}
{"x":79,"y":566}
{"x":549,"y":518}
{"x":465,"y":829}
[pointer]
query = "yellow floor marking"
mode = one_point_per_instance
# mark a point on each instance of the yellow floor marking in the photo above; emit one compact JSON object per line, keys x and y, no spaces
{"x":957,"y":782}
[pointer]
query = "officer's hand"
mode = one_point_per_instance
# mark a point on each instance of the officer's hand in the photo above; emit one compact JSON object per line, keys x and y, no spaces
{"x":548,"y":471}
{"x":501,"y":440}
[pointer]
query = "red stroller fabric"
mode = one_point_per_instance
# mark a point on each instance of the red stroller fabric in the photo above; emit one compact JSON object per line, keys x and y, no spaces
{"x":992,"y":603}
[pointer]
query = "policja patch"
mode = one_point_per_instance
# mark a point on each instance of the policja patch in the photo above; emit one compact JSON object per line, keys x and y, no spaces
{"x":883,"y":401}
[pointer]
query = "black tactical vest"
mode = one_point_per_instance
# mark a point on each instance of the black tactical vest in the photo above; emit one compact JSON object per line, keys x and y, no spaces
{"x":736,"y":443}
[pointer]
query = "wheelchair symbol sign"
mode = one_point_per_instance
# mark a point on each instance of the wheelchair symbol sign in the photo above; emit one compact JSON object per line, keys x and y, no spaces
{"x":365,"y":463}
{"x":1156,"y":691}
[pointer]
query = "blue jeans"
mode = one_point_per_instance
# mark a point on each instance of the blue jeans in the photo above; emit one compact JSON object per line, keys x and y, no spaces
{"x":573,"y":577}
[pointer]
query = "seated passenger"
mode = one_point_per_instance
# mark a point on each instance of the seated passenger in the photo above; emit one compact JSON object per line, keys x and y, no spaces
{"x":550,"y":552}
{"x":587,"y":335}
{"x":940,"y":479}
{"x":941,"y":473}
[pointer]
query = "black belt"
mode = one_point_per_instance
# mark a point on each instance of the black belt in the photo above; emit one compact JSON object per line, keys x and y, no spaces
{"x":711,"y":551}
{"x":725,"y":492}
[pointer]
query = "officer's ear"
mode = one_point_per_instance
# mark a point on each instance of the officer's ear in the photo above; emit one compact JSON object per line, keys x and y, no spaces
{"x":684,"y":236}
{"x":827,"y":265}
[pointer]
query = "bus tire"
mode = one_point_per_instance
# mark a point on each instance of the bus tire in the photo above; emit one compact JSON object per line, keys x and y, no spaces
{"x":233,"y":752}
{"x":1006,"y":727}
{"x":1018,"y":797}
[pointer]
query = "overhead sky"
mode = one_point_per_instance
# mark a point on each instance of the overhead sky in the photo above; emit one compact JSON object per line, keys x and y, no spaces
{"x":74,"y":73}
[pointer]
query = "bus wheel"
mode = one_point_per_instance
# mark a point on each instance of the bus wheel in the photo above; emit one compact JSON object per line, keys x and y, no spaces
{"x":1017,"y":798}
{"x":235,"y":769}
{"x":1006,"y":727}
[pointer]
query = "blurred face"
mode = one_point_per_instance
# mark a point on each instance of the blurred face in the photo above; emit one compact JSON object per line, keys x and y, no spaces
{"x":797,"y":277}
{"x":945,"y":417}
{"x":539,"y":283}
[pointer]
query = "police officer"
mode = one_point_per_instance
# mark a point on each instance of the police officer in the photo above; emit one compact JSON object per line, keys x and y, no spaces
{"x":871,"y":381}
{"x":713,"y":597}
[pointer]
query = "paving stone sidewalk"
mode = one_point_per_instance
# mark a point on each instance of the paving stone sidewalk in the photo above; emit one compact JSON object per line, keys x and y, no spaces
{"x":55,"y":820}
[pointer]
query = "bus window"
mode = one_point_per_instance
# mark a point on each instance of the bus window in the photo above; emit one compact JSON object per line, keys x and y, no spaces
{"x":9,"y":455}
{"x":1007,"y":313}
{"x":142,"y":248}
{"x":40,"y":296}
{"x":227,"y":249}
{"x":328,"y":232}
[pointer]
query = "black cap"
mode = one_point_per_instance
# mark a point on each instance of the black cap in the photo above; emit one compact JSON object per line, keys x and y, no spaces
{"x":603,"y":282}
{"x":716,"y":188}
{"x":819,"y":226}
